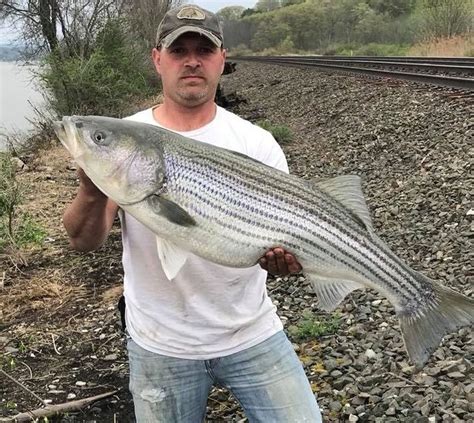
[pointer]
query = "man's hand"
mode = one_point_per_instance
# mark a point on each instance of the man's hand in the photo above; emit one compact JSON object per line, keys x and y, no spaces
{"x":279,"y":262}
{"x":87,"y":185}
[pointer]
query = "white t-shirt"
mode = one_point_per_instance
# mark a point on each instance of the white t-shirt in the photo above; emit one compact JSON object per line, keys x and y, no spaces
{"x":207,"y":310}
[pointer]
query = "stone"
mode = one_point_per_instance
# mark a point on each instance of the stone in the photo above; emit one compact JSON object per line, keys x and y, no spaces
{"x":335,"y":406}
{"x":370,"y":354}
{"x":110,"y":357}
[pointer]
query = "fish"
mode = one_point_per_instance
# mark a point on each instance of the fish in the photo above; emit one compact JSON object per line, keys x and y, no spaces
{"x":230,"y":209}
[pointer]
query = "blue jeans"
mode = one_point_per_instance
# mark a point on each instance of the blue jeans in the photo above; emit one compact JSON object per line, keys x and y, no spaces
{"x":267,"y":380}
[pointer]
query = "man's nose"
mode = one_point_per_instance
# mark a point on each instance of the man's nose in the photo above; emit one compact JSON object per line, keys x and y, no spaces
{"x":193,"y":60}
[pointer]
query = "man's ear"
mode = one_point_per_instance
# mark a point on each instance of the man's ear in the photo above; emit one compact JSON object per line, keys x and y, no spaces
{"x":156,"y":57}
{"x":224,"y":56}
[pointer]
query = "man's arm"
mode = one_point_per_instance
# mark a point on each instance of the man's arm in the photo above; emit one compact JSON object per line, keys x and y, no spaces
{"x":90,"y":216}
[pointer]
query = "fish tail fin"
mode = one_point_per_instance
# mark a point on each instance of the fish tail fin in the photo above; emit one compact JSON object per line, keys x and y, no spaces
{"x":423,"y":329}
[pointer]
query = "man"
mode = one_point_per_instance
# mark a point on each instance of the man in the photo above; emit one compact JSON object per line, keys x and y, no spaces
{"x":210,"y":325}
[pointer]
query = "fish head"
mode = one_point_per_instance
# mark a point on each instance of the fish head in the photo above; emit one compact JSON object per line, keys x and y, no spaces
{"x":123,"y":158}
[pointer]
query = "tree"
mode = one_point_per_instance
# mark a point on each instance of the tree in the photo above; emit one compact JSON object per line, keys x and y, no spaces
{"x":104,"y":83}
{"x":44,"y":23}
{"x":235,"y":29}
{"x":95,"y":60}
{"x":145,"y":15}
{"x":76,"y":23}
{"x":267,"y":5}
{"x":393,"y":8}
{"x":231,"y":13}
{"x":446,"y":18}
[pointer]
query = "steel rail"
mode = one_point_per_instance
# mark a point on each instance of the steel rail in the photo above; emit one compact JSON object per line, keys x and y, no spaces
{"x":463,"y":69}
{"x":461,"y":61}
{"x":446,"y":81}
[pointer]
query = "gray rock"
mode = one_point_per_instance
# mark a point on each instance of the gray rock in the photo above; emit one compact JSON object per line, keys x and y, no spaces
{"x":341,"y":382}
{"x":456,"y":375}
{"x":424,"y":379}
{"x":335,"y":406}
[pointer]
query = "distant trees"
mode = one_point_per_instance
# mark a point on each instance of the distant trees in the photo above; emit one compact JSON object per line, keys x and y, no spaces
{"x":321,"y":25}
{"x":267,"y":5}
{"x":446,"y":18}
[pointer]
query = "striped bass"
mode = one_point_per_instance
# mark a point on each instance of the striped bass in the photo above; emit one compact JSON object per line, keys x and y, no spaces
{"x":230,"y":209}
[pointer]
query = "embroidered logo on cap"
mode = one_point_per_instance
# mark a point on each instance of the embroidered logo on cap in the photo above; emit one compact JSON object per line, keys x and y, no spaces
{"x":191,"y":12}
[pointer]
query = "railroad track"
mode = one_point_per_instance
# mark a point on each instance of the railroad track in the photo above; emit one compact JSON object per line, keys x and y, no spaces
{"x":450,"y":72}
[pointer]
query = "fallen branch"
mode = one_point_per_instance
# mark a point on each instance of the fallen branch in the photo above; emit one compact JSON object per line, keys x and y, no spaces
{"x":22,"y":386}
{"x":55,"y":409}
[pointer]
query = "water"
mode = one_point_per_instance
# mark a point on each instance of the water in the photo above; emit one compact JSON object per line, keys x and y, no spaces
{"x":17,"y":91}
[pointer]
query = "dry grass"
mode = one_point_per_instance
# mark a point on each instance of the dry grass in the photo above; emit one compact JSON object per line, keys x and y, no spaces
{"x":445,"y":47}
{"x":41,"y":294}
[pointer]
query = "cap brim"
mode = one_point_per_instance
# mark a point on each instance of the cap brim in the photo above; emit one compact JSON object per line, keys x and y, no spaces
{"x":172,"y":37}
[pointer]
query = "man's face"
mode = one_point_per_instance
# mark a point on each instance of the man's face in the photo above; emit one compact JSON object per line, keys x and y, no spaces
{"x":190,"y":69}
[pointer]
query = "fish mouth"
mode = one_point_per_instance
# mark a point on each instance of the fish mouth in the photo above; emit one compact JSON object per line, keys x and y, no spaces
{"x":59,"y":130}
{"x":66,"y":131}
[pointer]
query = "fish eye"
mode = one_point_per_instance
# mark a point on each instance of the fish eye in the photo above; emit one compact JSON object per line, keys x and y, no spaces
{"x":99,"y":137}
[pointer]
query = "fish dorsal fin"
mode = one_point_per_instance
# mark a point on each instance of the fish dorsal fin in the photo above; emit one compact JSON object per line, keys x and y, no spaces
{"x":172,"y":257}
{"x":347,"y":190}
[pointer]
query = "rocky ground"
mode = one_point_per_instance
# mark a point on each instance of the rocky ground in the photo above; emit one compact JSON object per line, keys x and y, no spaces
{"x":411,"y":145}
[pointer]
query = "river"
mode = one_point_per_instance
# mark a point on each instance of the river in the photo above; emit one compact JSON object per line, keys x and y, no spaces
{"x":17,"y":91}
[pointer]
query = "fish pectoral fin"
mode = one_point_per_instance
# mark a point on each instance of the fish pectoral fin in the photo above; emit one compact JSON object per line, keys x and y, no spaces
{"x":347,"y":190}
{"x":331,"y":291}
{"x":172,"y":257}
{"x":172,"y":211}
{"x":424,"y":325}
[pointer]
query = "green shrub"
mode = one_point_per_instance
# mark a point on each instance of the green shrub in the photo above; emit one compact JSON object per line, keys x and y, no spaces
{"x":106,"y":82}
{"x":10,"y":193}
{"x":371,"y":49}
{"x":240,"y":50}
{"x":28,"y":231}
{"x":281,"y":133}
{"x":16,"y":228}
{"x":310,"y":326}
{"x":374,"y":49}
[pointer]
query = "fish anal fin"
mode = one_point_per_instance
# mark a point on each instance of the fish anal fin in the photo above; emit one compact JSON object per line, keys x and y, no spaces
{"x":171,"y":256}
{"x":331,"y":291}
{"x":424,"y":327}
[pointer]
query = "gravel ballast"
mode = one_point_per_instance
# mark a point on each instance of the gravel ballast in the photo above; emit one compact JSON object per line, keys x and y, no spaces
{"x":412,"y":146}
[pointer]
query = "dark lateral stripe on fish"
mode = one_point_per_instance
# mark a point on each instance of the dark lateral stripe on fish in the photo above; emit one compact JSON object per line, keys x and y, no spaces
{"x":250,"y":169}
{"x":344,"y":241}
{"x":371,"y":270}
{"x":235,"y":166}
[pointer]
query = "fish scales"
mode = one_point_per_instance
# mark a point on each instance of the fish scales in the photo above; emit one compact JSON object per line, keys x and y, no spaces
{"x":204,"y":167}
{"x":297,"y":199}
{"x":230,"y":209}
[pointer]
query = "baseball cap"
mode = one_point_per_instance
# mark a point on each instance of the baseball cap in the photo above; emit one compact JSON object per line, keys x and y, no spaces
{"x":188,"y":18}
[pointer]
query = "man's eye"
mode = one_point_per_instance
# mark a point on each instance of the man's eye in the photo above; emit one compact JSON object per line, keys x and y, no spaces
{"x":177,"y":50}
{"x":206,"y":50}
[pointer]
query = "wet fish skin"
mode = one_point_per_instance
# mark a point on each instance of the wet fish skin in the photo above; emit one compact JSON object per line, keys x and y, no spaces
{"x":230,"y":209}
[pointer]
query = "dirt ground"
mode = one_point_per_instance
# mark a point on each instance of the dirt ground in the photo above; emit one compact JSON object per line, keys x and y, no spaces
{"x":61,"y":332}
